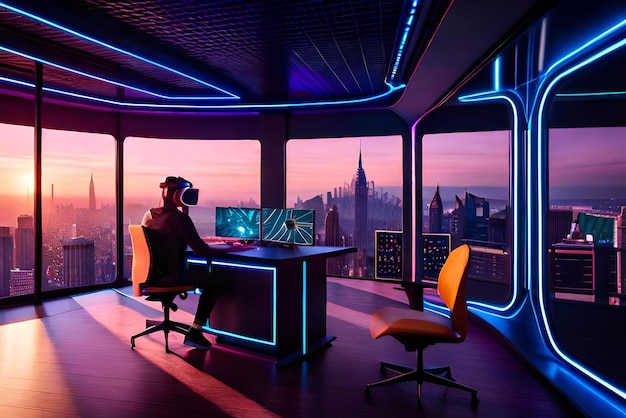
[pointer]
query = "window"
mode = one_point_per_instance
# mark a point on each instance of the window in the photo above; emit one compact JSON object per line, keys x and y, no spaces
{"x":16,"y":210}
{"x":78,"y":209}
{"x":227,"y":172}
{"x":466,"y":193}
{"x":355,"y":187}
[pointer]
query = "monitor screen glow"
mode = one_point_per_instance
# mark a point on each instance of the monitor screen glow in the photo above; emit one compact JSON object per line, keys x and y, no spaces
{"x":288,"y":226}
{"x":242,"y":223}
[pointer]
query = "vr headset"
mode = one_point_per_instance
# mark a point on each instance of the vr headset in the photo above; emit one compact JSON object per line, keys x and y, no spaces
{"x":180,"y":191}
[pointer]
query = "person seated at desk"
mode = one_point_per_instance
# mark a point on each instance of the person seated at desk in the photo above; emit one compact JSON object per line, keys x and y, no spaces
{"x":173,"y":221}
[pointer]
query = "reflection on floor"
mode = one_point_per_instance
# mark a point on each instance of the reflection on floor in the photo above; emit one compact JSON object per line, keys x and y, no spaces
{"x":72,"y":357}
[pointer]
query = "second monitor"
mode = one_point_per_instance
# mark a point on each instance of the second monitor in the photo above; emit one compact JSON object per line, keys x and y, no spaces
{"x":288,"y":226}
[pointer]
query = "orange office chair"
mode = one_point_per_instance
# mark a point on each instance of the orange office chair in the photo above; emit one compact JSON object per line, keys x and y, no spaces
{"x":419,"y":329}
{"x":154,"y":271}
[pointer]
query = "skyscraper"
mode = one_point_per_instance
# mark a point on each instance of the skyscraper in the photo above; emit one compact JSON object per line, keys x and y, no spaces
{"x":435,"y":213}
{"x":476,"y":217}
{"x":78,"y":262}
{"x":362,"y":238}
{"x":6,"y":259}
{"x":25,"y":243}
{"x":92,"y":194}
{"x":457,"y":223}
{"x":331,"y":228}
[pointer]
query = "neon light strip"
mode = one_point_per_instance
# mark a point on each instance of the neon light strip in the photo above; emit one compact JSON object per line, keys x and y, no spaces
{"x":304,"y":310}
{"x":585,"y":46}
{"x":597,"y":93}
{"x":204,"y":107}
{"x":47,"y":22}
{"x":516,"y":145}
{"x":542,"y":182}
{"x":271,"y":342}
{"x":104,"y":80}
{"x":407,"y":28}
{"x":496,"y":74}
{"x":228,"y":96}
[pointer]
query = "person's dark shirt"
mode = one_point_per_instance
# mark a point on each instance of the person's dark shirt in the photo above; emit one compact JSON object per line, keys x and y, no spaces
{"x":179,"y":227}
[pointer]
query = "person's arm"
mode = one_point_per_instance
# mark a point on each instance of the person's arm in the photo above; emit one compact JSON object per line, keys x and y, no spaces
{"x":189,"y":234}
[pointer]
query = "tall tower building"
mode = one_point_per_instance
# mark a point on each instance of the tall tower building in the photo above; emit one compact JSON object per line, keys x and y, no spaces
{"x":78,"y":262}
{"x":6,"y":259}
{"x":621,"y":228}
{"x":331,"y":228}
{"x":362,"y":239}
{"x":435,"y":213}
{"x":334,"y":265}
{"x":317,"y":204}
{"x":25,"y":243}
{"x":457,"y":223}
{"x":476,"y":217}
{"x":92,"y":195}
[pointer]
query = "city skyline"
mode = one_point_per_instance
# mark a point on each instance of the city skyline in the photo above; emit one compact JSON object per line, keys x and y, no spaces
{"x":229,"y":170}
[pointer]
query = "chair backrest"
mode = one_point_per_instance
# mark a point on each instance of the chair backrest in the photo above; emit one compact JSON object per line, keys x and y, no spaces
{"x":141,"y":257}
{"x":451,"y":287}
{"x":157,"y":261}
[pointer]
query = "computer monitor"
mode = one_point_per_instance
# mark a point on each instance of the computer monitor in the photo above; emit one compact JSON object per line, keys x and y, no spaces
{"x":242,"y":223}
{"x":601,"y":227}
{"x":288,"y":226}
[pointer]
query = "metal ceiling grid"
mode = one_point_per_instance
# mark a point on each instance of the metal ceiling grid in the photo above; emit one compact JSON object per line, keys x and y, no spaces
{"x":266,"y":51}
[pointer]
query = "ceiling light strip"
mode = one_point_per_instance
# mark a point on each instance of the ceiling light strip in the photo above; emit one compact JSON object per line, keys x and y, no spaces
{"x":87,"y":38}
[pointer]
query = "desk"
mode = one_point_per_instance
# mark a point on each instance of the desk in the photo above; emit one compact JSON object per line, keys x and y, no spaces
{"x":276,"y":303}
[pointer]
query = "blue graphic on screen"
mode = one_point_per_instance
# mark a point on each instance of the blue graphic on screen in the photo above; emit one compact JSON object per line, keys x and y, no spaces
{"x":242,"y":223}
{"x":289,"y":226}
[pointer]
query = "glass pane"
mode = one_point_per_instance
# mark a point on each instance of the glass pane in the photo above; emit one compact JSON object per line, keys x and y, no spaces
{"x":465,"y":190}
{"x":78,"y":199}
{"x":227,"y":172}
{"x":359,"y":179}
{"x":16,"y":210}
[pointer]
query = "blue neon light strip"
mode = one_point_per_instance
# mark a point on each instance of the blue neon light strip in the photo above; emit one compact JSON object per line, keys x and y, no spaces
{"x":304,"y":310}
{"x":496,"y":74}
{"x":592,"y":94}
{"x":542,"y":182}
{"x":515,"y":146}
{"x":228,"y":95}
{"x":204,"y":107}
{"x":94,"y":77}
{"x":405,"y":35}
{"x":271,"y":342}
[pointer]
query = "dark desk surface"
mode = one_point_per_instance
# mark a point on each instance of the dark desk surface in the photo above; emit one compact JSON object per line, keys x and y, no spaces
{"x":276,"y":253}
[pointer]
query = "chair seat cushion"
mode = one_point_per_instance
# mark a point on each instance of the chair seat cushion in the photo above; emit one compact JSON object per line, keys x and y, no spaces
{"x":411,"y":322}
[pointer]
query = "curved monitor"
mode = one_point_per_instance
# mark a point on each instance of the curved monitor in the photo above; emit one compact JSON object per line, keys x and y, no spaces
{"x":288,"y":226}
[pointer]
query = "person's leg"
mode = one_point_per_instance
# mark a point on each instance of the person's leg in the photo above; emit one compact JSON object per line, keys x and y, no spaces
{"x":206,"y":302}
{"x":211,"y":290}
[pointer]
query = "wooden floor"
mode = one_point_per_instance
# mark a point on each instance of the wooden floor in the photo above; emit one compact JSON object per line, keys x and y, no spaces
{"x":72,"y":358}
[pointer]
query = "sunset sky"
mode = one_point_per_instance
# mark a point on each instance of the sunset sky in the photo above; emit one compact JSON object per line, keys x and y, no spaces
{"x":229,"y":170}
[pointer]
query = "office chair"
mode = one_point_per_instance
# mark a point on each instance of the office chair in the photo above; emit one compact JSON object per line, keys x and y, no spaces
{"x":419,"y":329}
{"x":156,"y":265}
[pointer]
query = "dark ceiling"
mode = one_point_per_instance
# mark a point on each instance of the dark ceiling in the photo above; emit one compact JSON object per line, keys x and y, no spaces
{"x":240,"y":55}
